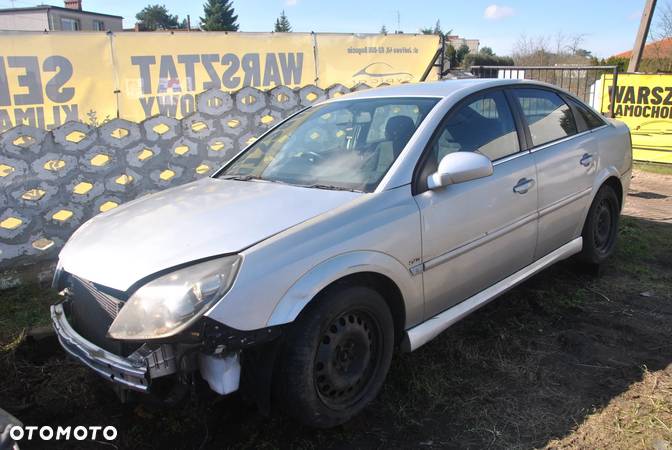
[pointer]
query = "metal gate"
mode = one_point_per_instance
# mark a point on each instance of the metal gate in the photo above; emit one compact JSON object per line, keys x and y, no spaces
{"x":586,"y":82}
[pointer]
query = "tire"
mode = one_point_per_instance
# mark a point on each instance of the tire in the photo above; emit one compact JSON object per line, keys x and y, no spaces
{"x":600,"y":231}
{"x":336,"y":357}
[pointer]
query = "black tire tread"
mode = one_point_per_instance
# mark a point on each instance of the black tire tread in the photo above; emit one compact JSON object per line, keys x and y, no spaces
{"x":589,"y":254}
{"x":294,"y":389}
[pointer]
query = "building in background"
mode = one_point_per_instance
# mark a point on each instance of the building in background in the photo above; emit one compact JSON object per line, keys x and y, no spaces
{"x":57,"y":18}
{"x":657,"y":57}
{"x":457,"y":42}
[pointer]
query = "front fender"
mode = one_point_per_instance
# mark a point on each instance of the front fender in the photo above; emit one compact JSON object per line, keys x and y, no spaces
{"x":337,"y":267}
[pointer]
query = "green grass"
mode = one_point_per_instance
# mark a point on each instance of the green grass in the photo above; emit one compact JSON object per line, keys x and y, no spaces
{"x":664,"y":169}
{"x":22,"y":308}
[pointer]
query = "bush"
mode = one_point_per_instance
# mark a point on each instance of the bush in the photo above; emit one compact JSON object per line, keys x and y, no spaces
{"x":483,"y":59}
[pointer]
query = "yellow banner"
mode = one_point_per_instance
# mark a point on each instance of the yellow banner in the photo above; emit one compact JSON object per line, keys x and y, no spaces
{"x":373,"y":59}
{"x":161,"y":73}
{"x":49,"y":79}
{"x":644,"y":103}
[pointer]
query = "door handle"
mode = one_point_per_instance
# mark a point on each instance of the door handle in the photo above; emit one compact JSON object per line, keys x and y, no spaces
{"x":586,"y":160}
{"x":524,"y":185}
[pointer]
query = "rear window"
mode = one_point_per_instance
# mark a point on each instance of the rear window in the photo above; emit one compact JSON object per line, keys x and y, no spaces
{"x":591,"y":119}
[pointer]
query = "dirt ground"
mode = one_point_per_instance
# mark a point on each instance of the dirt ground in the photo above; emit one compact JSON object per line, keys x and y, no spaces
{"x":566,"y":360}
{"x":650,"y":197}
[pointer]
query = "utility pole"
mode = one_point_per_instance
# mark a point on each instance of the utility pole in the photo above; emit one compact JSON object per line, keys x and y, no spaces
{"x":642,"y":34}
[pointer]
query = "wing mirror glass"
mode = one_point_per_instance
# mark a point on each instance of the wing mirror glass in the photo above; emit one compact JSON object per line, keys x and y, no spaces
{"x":459,"y":167}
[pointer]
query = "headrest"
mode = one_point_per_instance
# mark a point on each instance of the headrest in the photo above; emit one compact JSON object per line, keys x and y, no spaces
{"x":399,"y":128}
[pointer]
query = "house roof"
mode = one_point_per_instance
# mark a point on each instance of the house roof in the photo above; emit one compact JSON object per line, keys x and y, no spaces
{"x":653,"y":50}
{"x":57,"y":8}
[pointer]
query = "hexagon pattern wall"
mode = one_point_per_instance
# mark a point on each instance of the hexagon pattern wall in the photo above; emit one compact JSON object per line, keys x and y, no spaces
{"x":53,"y":181}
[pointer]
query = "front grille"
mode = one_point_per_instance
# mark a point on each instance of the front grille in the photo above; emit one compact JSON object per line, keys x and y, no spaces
{"x":92,"y":312}
{"x":111,"y":305}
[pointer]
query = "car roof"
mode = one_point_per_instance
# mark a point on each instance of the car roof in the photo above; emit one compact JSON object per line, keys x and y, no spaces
{"x":440,"y":89}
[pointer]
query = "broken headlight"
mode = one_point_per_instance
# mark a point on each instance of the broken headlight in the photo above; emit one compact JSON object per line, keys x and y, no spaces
{"x":169,"y":304}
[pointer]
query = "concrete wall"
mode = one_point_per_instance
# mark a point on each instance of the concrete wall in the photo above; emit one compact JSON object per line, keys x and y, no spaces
{"x":52,"y":182}
{"x":24,"y":21}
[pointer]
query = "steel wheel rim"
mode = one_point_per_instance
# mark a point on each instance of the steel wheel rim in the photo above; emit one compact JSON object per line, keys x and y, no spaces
{"x":603,"y":231}
{"x":348,"y":354}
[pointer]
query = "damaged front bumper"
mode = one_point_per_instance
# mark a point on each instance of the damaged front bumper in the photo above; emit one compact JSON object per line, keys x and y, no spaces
{"x":133,"y":372}
{"x":217,"y":356}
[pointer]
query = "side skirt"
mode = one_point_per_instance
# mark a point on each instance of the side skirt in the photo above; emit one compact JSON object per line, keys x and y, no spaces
{"x":429,"y":329}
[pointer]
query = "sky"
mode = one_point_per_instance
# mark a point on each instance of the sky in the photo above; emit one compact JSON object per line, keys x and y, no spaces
{"x":607,"y":26}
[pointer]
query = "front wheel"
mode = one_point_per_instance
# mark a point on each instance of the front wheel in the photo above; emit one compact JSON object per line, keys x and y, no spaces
{"x":601,"y":228}
{"x":336,"y":357}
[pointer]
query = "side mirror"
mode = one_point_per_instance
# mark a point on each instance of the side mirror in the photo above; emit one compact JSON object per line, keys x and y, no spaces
{"x":459,"y":167}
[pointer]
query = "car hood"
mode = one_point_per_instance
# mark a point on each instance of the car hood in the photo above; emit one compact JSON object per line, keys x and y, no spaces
{"x":205,"y":218}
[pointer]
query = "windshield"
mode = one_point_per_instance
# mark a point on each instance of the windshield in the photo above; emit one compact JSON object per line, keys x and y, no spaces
{"x":348,"y":144}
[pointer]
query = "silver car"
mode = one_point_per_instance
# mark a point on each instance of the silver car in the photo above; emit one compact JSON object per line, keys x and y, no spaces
{"x":361,"y":225}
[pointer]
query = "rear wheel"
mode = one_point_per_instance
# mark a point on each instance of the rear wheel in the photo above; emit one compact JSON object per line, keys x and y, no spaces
{"x":336,"y":357}
{"x":601,"y":228}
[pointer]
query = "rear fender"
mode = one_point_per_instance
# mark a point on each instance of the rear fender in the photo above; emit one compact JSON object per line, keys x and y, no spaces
{"x":602,"y":176}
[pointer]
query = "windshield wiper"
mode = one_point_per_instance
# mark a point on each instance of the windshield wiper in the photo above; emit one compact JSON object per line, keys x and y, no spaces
{"x":239,"y":177}
{"x":251,"y":177}
{"x":329,"y":187}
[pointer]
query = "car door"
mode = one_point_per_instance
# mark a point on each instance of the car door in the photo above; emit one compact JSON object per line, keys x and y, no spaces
{"x":476,"y":233}
{"x":565,"y":160}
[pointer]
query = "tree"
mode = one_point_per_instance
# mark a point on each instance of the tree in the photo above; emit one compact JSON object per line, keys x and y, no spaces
{"x":156,"y":17}
{"x":451,"y":56}
{"x":532,"y":51}
{"x":282,"y":24}
{"x":538,"y":51}
{"x":621,"y":62}
{"x":486,"y":57}
{"x":383,"y":30}
{"x":219,"y":16}
{"x":461,"y":52}
{"x":436,"y":29}
{"x":663,"y":26}
{"x":574,"y":45}
{"x":486,"y":51}
{"x":582,"y":52}
{"x":657,"y":56}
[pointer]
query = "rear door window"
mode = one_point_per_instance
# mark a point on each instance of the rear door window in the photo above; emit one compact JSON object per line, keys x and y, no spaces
{"x":548,"y":117}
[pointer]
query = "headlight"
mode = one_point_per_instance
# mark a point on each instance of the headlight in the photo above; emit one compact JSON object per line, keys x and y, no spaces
{"x":169,"y":304}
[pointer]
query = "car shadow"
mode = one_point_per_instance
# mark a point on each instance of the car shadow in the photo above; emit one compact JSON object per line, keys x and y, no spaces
{"x":649,"y":195}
